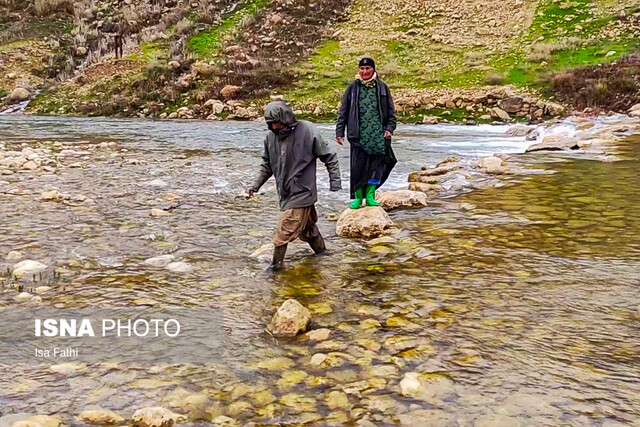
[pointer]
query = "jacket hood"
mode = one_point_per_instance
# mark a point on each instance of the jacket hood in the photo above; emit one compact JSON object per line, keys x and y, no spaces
{"x":279,"y":111}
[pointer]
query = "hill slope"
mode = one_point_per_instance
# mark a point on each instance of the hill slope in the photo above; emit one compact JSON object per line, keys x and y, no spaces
{"x":441,"y":58}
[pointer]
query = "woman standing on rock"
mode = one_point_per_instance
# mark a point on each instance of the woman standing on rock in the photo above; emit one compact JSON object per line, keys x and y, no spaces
{"x":368,"y":113}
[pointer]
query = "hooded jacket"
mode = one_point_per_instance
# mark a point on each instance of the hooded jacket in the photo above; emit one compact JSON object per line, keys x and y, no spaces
{"x":348,"y":115}
{"x":291,"y":158}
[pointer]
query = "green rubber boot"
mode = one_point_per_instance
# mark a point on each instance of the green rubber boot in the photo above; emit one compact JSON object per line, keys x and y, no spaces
{"x":358,"y":201}
{"x":371,"y":196}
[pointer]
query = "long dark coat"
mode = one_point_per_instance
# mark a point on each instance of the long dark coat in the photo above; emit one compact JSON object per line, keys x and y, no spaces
{"x":364,"y":166}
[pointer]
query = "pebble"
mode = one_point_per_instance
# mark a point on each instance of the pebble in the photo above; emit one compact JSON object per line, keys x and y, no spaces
{"x":159,"y":212}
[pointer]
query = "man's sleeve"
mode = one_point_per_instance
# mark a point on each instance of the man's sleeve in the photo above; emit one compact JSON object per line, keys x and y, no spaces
{"x":265,"y":168}
{"x":343,"y":113}
{"x":391,"y":121}
{"x":322,"y":151}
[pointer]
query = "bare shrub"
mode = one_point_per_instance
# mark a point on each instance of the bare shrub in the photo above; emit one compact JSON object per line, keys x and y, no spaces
{"x":49,"y":7}
{"x":184,"y":26}
{"x":494,"y":79}
{"x":473,"y":56}
{"x":390,"y":69}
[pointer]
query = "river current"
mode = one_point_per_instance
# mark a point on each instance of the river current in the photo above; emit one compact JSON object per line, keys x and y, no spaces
{"x":517,"y":303}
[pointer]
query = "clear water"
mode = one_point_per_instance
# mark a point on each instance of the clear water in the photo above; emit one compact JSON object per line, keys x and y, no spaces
{"x":517,"y":303}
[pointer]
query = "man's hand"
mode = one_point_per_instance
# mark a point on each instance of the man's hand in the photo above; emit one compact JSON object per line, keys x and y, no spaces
{"x":250,"y":192}
{"x":340,"y":140}
{"x":387,"y":134}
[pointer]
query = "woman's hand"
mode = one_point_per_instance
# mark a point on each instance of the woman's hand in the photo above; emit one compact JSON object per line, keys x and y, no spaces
{"x":340,"y":140}
{"x":387,"y":134}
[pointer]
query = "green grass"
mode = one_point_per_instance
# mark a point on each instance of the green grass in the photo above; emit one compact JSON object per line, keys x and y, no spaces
{"x":206,"y":44}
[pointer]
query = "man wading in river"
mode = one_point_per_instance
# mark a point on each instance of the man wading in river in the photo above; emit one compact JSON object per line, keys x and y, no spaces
{"x":368,"y":113}
{"x":290,"y":152}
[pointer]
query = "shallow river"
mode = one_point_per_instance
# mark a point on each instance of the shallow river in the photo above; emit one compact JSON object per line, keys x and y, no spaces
{"x":518,"y":304}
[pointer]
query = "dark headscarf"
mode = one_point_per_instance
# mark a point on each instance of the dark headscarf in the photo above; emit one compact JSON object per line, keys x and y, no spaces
{"x":368,"y":62}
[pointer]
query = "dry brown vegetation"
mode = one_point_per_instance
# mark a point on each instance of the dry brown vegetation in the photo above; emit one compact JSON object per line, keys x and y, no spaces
{"x":614,"y":86}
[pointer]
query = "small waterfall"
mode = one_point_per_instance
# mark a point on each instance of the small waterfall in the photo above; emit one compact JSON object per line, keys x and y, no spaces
{"x":17,"y":108}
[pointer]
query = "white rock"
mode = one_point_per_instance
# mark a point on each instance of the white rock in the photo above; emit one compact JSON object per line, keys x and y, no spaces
{"x":290,"y":319}
{"x":157,"y":183}
{"x":27,"y":267}
{"x":410,"y":384}
{"x":156,"y":417}
{"x":14,"y":256}
{"x":263,"y":253}
{"x":159,"y":261}
{"x":179,"y":267}
{"x":42,"y":289}
{"x":23,"y":296}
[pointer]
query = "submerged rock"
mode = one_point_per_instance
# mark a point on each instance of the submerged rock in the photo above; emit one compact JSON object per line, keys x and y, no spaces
{"x":38,"y":421}
{"x":290,"y":319}
{"x":432,"y":189}
{"x":179,"y":267}
{"x":263,"y":253}
{"x":27,"y":267}
{"x":519,"y":130}
{"x":158,"y":212}
{"x":155,"y":416}
{"x":14,"y":256}
{"x":319,"y":334}
{"x":100,"y":417}
{"x":401,"y":199}
{"x":555,"y":143}
{"x":370,"y":221}
{"x":159,"y":261}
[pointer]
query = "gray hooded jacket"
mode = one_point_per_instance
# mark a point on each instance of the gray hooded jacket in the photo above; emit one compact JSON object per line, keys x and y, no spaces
{"x":291,"y":159}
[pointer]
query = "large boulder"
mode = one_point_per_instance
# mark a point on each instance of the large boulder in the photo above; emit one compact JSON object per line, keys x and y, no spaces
{"x":368,"y":222}
{"x":555,"y":143}
{"x":229,"y":91}
{"x":519,"y":130}
{"x":491,"y":164}
{"x":19,"y":94}
{"x":635,"y":111}
{"x":401,"y":199}
{"x":511,"y":105}
{"x":499,"y":113}
{"x":554,"y":109}
{"x":290,"y":319}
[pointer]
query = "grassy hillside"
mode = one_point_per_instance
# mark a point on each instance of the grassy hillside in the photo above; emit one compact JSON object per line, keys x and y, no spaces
{"x":178,"y":55}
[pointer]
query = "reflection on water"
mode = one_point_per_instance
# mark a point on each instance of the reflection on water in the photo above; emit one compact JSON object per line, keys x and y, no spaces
{"x":518,"y":305}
